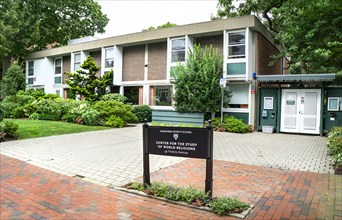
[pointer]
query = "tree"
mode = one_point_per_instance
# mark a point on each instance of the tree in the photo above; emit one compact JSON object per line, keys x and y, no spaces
{"x":197,"y":82}
{"x":166,"y":25}
{"x":27,"y":26}
{"x":310,"y":31}
{"x":14,"y":80}
{"x":86,"y":83}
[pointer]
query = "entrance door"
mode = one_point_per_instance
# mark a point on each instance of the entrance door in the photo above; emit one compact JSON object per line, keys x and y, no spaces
{"x":300,"y":111}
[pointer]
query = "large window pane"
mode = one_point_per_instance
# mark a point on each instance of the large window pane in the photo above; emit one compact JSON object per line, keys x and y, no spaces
{"x":58,"y":70}
{"x":30,"y":81}
{"x":109,"y":63}
{"x":58,"y":62}
{"x":31,"y":64}
{"x":58,"y":80}
{"x":239,"y":97}
{"x":236,"y":69}
{"x":237,"y":38}
{"x":161,"y":96}
{"x":132,"y":94}
{"x":237,"y":51}
{"x":31,"y":68}
{"x":178,"y":56}
{"x":31,"y":72}
{"x":77,"y":58}
{"x":178,"y":44}
{"x":109,"y":53}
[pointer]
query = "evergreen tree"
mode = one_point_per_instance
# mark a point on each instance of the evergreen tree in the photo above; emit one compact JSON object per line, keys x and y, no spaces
{"x":87,"y":83}
{"x":198,"y":82}
{"x":14,"y":80}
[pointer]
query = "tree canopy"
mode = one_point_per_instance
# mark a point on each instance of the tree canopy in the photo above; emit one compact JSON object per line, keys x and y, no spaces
{"x":198,"y":82}
{"x":27,"y":26}
{"x":87,"y":83}
{"x":166,"y":25}
{"x":310,"y":31}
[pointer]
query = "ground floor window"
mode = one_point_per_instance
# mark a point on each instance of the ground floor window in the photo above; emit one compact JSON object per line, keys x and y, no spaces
{"x":161,"y":95}
{"x":134,"y":94}
{"x":240,"y":93}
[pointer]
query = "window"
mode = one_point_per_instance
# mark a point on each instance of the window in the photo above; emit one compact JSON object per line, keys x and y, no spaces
{"x":239,"y":97}
{"x":236,"y":69}
{"x":178,"y":50}
{"x":333,"y":103}
{"x":77,"y":61}
{"x":30,"y":81}
{"x":58,"y":92}
{"x":109,"y":57}
{"x":236,"y":45}
{"x":31,"y":68}
{"x":132,"y":94}
{"x":161,"y":95}
{"x":58,"y":70}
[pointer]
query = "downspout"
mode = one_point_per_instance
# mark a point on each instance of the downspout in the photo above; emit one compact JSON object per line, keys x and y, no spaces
{"x":278,"y":108}
{"x":321,"y":127}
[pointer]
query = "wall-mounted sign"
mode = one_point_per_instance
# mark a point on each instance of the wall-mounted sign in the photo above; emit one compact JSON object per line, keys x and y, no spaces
{"x":290,"y":102}
{"x":268,"y":103}
{"x":333,"y":103}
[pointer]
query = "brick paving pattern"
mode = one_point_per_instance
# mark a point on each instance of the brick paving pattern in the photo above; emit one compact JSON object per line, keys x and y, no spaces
{"x":30,"y":192}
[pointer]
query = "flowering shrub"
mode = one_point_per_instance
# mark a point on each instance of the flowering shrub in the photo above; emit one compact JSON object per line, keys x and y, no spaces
{"x":334,"y":144}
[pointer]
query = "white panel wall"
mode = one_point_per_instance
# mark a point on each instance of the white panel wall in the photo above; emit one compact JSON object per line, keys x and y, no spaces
{"x":43,"y":74}
{"x":118,"y":59}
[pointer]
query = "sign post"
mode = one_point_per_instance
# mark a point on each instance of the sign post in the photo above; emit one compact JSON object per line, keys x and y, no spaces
{"x":180,"y":142}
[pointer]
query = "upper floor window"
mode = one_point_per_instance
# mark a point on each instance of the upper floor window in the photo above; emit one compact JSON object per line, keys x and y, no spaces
{"x":58,"y":70}
{"x":236,"y":45}
{"x":109,"y":57}
{"x":77,"y":61}
{"x":178,"y":50}
{"x":31,"y":68}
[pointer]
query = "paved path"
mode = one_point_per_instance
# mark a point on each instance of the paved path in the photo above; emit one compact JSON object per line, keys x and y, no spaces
{"x":114,"y":157}
{"x":31,"y":192}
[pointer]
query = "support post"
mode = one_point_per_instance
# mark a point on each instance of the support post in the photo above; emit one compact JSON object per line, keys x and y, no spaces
{"x":209,"y":164}
{"x":146,"y":158}
{"x":278,"y":108}
{"x":321,"y":123}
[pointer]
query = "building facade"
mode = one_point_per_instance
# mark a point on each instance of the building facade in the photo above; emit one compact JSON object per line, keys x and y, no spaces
{"x":143,"y":62}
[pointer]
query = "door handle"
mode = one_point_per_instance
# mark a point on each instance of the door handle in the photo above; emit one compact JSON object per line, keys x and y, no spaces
{"x":300,"y":112}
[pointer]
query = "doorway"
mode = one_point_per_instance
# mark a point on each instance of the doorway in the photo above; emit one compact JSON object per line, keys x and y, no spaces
{"x":300,"y":111}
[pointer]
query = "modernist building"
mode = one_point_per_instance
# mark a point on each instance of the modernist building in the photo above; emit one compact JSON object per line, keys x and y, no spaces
{"x":143,"y":62}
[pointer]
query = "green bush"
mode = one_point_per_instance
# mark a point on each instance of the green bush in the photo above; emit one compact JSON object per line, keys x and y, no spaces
{"x":90,"y":117}
{"x":143,"y":112}
{"x":34,"y":116}
{"x":8,"y":108}
{"x":19,"y":99}
{"x":18,"y":112}
{"x":1,"y":114}
{"x":114,"y":97}
{"x":51,"y":96}
{"x":115,"y":122}
{"x":110,"y":110}
{"x":9,"y":128}
{"x":235,"y":125}
{"x":334,"y":144}
{"x":52,"y":109}
{"x":225,"y":205}
{"x":36,"y":93}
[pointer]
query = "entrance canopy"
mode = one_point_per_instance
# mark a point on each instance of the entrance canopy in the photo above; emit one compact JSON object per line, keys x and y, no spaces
{"x":293,"y":78}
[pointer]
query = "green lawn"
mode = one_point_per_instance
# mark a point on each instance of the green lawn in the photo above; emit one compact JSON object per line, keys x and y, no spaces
{"x":41,"y":128}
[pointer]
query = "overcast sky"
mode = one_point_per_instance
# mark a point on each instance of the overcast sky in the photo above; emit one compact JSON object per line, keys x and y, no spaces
{"x":130,"y":16}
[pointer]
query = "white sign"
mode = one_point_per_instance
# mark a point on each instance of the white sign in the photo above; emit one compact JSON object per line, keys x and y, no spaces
{"x":268,"y":103}
{"x":223,"y":82}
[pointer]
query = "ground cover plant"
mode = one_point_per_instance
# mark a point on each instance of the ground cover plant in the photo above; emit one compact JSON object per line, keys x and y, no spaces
{"x":230,"y":124}
{"x":191,"y":195}
{"x":41,"y":128}
{"x":334,"y":144}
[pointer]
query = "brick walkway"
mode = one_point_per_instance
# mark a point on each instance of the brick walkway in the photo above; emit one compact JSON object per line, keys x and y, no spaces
{"x":30,"y":192}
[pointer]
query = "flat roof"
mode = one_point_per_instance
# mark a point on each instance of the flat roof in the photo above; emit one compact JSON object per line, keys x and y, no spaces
{"x":196,"y":29}
{"x":313,"y":77}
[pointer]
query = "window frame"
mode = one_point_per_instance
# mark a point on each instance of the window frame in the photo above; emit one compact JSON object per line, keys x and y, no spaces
{"x":78,"y":62}
{"x":242,"y":107}
{"x":108,"y":58}
{"x":171,"y":49}
{"x":235,"y":45}
{"x":30,"y":77}
{"x":58,"y":75}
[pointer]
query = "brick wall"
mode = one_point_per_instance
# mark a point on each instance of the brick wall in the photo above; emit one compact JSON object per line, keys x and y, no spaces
{"x":157,"y":61}
{"x":216,"y":41}
{"x":133,"y":63}
{"x":265,"y":50}
{"x":96,"y":55}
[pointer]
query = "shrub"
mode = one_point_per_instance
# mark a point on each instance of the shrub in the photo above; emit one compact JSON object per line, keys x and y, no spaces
{"x":143,"y":112}
{"x":1,"y":114}
{"x":235,"y":125}
{"x":225,"y":205}
{"x":51,"y":96}
{"x":115,"y":122}
{"x":34,"y":116}
{"x":51,"y":109}
{"x":18,"y":112}
{"x":114,"y":97}
{"x":19,"y":99}
{"x":36,"y":93}
{"x":9,"y":128}
{"x":8,"y":108}
{"x":334,"y":144}
{"x":90,"y":117}
{"x":108,"y":109}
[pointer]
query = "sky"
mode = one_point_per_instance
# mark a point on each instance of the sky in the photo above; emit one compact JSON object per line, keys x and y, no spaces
{"x":130,"y":16}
